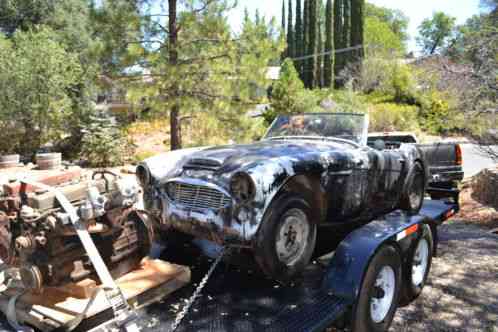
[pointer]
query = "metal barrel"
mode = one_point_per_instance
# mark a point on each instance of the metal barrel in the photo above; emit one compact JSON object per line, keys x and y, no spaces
{"x":11,"y":160}
{"x":46,"y":161}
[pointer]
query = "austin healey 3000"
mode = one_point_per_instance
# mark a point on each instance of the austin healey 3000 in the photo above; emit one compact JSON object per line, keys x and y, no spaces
{"x":273,"y":196}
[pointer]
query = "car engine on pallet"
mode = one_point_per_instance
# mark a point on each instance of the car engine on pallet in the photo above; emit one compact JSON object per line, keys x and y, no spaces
{"x":39,"y":240}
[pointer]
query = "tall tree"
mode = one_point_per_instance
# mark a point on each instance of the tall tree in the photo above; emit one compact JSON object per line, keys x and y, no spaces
{"x":305,"y":40}
{"x":346,"y":30}
{"x":328,"y":63}
{"x":298,"y":37}
{"x":319,"y":44}
{"x":338,"y":33}
{"x":290,"y":32}
{"x":435,"y":32}
{"x":312,"y":44}
{"x":284,"y":53}
{"x":357,"y":27}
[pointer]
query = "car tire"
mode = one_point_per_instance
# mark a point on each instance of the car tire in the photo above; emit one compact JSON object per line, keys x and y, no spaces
{"x":379,"y":293}
{"x":413,"y":196}
{"x":417,"y":266}
{"x":286,"y":239}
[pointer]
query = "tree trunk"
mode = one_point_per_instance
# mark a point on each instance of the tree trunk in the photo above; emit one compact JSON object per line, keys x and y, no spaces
{"x":176,"y":139}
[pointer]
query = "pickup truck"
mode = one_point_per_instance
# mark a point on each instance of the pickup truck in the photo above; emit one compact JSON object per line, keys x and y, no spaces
{"x":444,"y":159}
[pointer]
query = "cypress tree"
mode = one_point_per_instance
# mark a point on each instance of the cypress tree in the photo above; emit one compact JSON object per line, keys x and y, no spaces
{"x":298,"y":37}
{"x":346,"y":31}
{"x":290,"y":32}
{"x":304,"y":62}
{"x":319,"y":57}
{"x":284,"y":53}
{"x":328,"y":61}
{"x":338,"y":25}
{"x":312,"y":44}
{"x":357,"y":25}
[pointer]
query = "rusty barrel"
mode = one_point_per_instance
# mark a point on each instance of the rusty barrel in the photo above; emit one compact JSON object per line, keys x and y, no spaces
{"x":47,"y":161}
{"x":10,"y":160}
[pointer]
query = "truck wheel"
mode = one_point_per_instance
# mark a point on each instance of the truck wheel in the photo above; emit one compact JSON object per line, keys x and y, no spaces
{"x":417,"y":267}
{"x":413,"y":197}
{"x":286,"y":238}
{"x":379,"y":293}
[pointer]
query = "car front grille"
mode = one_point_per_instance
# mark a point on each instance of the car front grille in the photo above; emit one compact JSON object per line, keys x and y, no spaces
{"x":197,"y":196}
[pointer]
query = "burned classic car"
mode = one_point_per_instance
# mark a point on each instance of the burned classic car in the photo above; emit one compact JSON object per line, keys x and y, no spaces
{"x":274,"y":195}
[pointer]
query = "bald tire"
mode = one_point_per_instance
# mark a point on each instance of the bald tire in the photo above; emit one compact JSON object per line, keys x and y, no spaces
{"x":265,"y":246}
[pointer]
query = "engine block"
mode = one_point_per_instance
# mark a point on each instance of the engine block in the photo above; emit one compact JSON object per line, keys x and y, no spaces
{"x":37,"y":237}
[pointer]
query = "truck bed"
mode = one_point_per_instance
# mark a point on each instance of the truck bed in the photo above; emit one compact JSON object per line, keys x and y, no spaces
{"x":243,"y":300}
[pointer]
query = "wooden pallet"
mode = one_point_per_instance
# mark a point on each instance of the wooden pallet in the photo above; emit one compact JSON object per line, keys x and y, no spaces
{"x":54,"y":309}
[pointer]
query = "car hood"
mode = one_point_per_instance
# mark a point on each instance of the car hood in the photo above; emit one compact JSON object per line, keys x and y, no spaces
{"x":230,"y":157}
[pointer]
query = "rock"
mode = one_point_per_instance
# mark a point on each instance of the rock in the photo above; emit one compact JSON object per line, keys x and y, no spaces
{"x":485,"y":187}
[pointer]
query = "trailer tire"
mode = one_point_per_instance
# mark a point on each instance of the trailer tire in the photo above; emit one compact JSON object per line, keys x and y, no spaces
{"x":417,"y":266}
{"x":379,"y":293}
{"x":277,"y":260}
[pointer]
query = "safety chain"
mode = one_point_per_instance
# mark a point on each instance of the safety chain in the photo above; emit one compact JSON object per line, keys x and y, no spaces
{"x":182,"y":313}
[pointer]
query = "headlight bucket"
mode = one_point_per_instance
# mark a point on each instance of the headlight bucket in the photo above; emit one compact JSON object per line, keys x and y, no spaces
{"x":242,"y":187}
{"x":143,"y":175}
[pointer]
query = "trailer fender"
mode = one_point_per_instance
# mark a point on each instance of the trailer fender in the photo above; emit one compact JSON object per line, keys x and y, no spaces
{"x":346,"y":269}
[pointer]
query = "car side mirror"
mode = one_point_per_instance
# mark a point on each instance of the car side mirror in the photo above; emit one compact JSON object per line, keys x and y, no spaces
{"x":379,"y":145}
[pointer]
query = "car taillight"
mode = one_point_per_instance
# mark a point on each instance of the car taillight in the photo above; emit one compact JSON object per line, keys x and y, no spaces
{"x":458,"y":154}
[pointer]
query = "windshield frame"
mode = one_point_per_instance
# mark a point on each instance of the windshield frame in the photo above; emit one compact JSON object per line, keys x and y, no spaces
{"x":364,"y":132}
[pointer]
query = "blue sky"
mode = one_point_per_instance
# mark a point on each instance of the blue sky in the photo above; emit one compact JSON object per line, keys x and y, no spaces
{"x":416,"y":10}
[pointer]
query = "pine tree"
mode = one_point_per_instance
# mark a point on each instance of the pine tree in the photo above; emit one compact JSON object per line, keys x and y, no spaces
{"x":290,"y":32}
{"x":328,"y":62}
{"x":357,"y":26}
{"x":312,"y":44}
{"x":298,"y":37}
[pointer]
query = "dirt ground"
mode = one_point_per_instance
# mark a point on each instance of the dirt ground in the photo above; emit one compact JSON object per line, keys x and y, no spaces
{"x":462,"y":290}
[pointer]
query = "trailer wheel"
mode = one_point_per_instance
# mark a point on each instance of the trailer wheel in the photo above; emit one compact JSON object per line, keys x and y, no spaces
{"x":286,"y":239}
{"x":379,"y":294}
{"x":417,"y":267}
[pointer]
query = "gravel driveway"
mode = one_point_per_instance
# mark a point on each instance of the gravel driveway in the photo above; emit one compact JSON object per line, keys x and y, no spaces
{"x":462,"y":290}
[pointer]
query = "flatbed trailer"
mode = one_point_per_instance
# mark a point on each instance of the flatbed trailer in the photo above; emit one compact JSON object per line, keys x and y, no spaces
{"x":327,"y":295}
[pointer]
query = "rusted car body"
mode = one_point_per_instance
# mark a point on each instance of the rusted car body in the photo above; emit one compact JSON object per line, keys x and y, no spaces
{"x":226,"y":194}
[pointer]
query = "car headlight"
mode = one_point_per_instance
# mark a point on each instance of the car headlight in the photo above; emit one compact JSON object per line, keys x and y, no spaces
{"x":143,"y":175}
{"x":242,"y":187}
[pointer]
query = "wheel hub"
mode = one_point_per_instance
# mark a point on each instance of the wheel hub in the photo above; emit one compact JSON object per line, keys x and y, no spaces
{"x":292,"y":236}
{"x":420,"y":262}
{"x":382,"y":294}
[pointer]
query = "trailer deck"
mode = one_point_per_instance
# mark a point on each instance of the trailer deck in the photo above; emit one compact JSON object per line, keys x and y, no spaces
{"x":242,"y":300}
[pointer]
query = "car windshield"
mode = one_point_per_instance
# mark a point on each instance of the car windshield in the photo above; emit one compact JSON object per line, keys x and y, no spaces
{"x":346,"y":126}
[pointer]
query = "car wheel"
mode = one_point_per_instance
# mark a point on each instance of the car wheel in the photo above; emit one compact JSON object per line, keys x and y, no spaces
{"x":286,"y":239}
{"x":417,"y":267}
{"x":413,"y":198}
{"x":379,"y":293}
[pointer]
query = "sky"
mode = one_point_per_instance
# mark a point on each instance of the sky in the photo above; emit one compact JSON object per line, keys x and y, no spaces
{"x":416,"y":10}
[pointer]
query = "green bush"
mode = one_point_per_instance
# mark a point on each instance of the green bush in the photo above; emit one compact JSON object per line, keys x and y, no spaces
{"x":103,"y":143}
{"x":393,"y":117}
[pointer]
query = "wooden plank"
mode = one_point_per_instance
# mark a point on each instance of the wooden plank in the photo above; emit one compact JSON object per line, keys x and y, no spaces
{"x":154,"y":280}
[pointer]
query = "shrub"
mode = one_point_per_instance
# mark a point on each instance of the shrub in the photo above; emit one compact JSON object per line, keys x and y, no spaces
{"x":393,"y":117}
{"x":103,"y":143}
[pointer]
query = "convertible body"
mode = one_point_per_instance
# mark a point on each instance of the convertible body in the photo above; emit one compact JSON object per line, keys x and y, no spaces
{"x":190,"y":190}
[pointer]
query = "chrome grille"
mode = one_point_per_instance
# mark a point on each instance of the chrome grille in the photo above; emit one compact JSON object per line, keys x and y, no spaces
{"x":197,"y":196}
